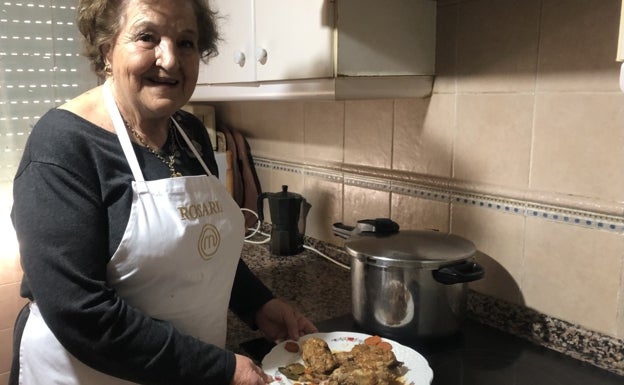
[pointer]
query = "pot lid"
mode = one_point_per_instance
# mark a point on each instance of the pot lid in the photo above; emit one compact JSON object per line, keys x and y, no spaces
{"x":284,"y":194}
{"x":411,"y":248}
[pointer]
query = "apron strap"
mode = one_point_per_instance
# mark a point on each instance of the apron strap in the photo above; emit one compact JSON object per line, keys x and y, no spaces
{"x":124,"y":138}
{"x":122,"y":133}
{"x":192,"y":147}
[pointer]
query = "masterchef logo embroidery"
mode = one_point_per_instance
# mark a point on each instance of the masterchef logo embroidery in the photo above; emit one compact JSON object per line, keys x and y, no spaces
{"x":194,"y":211}
{"x":209,"y":241}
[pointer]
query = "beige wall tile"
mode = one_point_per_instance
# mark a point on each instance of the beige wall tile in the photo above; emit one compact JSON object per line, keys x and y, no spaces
{"x":368,"y":132}
{"x":573,"y":273}
{"x":294,"y":181}
{"x":493,"y":142}
{"x":423,"y":135}
{"x":360,"y":203}
{"x":324,"y":131}
{"x":620,"y":313}
{"x":203,"y":111}
{"x":230,"y":114}
{"x":6,"y":349}
{"x":578,"y":40}
{"x":326,"y":200}
{"x":579,"y":145}
{"x":288,"y":131}
{"x":497,"y":45}
{"x":4,"y":378}
{"x":10,"y":304}
{"x":10,"y":269}
{"x":500,"y":237}
{"x":264,"y":177}
{"x":418,"y":214}
{"x":273,"y":128}
{"x":445,"y":80}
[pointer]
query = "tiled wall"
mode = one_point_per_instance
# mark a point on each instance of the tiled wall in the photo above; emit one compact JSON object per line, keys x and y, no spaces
{"x":525,"y":111}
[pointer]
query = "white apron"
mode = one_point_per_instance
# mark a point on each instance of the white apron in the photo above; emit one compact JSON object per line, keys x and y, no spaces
{"x":175,"y":262}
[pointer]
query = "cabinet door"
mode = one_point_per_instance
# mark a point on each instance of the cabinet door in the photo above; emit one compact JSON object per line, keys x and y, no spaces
{"x":395,"y":39}
{"x":236,"y":59}
{"x":294,"y":39}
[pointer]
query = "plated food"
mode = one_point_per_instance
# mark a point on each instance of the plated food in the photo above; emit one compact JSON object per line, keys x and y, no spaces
{"x":346,"y":358}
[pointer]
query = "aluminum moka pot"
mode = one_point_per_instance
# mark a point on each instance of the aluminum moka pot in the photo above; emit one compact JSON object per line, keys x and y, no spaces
{"x":288,"y":218}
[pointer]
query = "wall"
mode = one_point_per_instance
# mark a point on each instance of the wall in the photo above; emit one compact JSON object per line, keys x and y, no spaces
{"x":520,"y":148}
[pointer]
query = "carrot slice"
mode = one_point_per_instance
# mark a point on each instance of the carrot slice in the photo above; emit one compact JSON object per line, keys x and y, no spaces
{"x":385,"y":345}
{"x":372,"y":340}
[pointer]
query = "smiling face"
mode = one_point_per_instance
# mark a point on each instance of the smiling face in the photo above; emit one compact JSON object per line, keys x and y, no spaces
{"x":154,"y":59}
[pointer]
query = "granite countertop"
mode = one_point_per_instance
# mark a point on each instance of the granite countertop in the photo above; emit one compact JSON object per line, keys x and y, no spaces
{"x":317,"y":287}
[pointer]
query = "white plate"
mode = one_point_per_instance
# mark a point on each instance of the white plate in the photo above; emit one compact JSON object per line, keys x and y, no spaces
{"x":418,"y":370}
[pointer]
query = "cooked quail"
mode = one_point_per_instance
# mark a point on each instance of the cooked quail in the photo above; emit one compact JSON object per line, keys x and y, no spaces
{"x":365,"y":365}
{"x":317,"y":356}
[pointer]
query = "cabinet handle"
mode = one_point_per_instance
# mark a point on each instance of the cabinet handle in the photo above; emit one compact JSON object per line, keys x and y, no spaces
{"x":262,"y":55}
{"x":239,"y":58}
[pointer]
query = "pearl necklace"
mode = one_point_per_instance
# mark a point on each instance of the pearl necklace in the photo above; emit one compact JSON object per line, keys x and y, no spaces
{"x":170,"y":161}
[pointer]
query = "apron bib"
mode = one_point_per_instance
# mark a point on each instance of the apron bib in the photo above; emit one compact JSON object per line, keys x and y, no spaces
{"x":176,"y":262}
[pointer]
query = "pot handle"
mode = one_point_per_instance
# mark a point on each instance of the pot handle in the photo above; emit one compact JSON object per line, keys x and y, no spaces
{"x":341,"y":230}
{"x":260,"y":205}
{"x":466,"y":271}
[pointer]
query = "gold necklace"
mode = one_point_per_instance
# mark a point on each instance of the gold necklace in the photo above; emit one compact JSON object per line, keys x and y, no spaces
{"x":170,"y":162}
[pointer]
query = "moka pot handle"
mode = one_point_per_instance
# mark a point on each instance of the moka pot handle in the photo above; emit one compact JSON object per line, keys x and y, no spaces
{"x":260,"y":204}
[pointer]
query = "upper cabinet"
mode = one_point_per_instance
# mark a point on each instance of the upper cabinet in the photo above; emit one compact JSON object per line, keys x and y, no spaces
{"x":322,"y":49}
{"x":391,"y":37}
{"x":266,"y":40}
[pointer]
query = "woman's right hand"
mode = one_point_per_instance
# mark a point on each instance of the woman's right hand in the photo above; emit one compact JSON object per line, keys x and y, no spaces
{"x":248,"y":373}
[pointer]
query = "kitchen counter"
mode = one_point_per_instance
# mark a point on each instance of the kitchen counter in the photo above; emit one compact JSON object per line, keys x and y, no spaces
{"x":482,"y":355}
{"x":479,"y":354}
{"x":318,"y":288}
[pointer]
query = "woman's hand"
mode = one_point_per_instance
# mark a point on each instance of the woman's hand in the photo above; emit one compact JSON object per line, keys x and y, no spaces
{"x":279,"y":321}
{"x":248,"y":373}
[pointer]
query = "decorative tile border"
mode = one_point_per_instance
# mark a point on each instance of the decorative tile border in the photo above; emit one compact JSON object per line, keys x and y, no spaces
{"x":585,"y":345}
{"x":551,"y":207}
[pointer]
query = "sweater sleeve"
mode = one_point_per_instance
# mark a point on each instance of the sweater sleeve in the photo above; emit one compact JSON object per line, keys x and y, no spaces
{"x":62,"y":229}
{"x":248,"y":294}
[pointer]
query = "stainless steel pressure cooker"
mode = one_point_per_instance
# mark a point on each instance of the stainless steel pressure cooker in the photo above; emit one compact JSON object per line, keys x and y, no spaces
{"x":408,"y":284}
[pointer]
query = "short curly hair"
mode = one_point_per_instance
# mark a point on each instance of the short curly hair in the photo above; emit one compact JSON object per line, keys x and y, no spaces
{"x":99,"y":22}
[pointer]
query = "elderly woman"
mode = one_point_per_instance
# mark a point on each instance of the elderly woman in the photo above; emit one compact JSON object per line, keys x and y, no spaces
{"x":122,"y":287}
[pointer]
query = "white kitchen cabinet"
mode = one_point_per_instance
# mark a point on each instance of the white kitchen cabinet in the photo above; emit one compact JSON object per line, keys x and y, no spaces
{"x":321,"y":49}
{"x":268,"y":40}
{"x":232,"y":63}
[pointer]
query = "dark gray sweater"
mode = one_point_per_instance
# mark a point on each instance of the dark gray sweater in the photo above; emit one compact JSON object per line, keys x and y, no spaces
{"x":72,"y":199}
